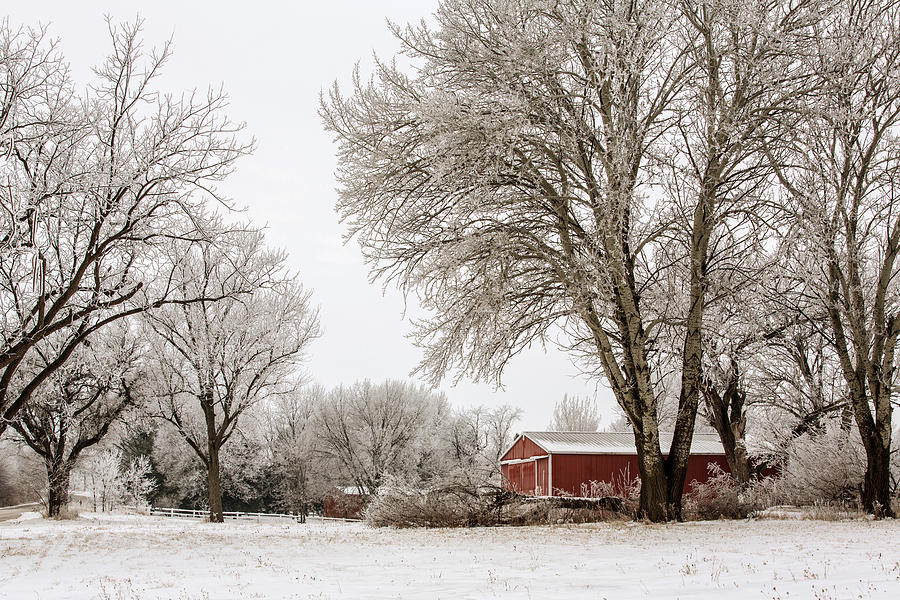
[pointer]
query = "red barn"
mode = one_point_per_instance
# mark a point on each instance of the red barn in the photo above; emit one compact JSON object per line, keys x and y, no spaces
{"x":555,"y":463}
{"x":343,"y":503}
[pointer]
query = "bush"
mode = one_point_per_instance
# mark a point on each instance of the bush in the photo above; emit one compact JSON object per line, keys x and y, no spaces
{"x":451,"y":503}
{"x":561,"y":510}
{"x":823,"y":466}
{"x":721,"y":497}
{"x":65,"y":514}
{"x":821,"y":469}
{"x":622,"y":494}
{"x":459,"y":502}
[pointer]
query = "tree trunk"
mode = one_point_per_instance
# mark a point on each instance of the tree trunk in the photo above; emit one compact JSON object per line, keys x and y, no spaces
{"x":726,"y":415}
{"x":58,"y":474}
{"x":877,"y":483}
{"x":214,"y":479}
{"x":736,"y":455}
{"x":215,"y":486}
{"x":653,"y":506}
{"x":876,"y":492}
{"x":876,"y":438}
{"x":692,"y":351}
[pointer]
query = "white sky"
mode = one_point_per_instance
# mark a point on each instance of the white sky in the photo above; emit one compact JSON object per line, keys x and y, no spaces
{"x":273,"y":58}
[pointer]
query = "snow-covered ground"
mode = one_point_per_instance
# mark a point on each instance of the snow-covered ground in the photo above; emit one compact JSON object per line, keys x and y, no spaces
{"x":122,"y":557}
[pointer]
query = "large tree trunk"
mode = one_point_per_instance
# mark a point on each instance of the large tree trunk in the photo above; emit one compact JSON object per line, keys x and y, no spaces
{"x":304,"y":510}
{"x":876,"y":438}
{"x":58,"y":473}
{"x":876,"y":496}
{"x":692,"y":351}
{"x":732,"y":436}
{"x":870,"y":382}
{"x":634,"y":391}
{"x":651,"y":465}
{"x":214,"y":480}
{"x":726,"y":415}
{"x":215,"y":486}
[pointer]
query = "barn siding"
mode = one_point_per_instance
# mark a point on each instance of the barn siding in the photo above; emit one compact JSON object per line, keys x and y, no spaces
{"x":520,"y":477}
{"x":572,"y":473}
{"x":523,"y":448}
{"x":343,"y":506}
{"x":542,"y":473}
{"x":698,"y":468}
{"x":528,"y":477}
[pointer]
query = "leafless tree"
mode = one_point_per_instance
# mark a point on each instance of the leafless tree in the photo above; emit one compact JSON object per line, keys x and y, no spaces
{"x":375,"y":430}
{"x":292,"y":438}
{"x":94,"y":187}
{"x":575,"y":413}
{"x":522,"y":181}
{"x":839,"y":164}
{"x":799,"y":373}
{"x":476,"y":439}
{"x":72,"y":410}
{"x":215,"y":360}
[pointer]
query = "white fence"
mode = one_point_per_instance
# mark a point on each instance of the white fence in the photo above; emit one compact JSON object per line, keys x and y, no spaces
{"x":187,"y":513}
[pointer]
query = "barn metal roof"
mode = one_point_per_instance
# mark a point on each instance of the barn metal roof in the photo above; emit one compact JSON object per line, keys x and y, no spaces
{"x":579,"y":442}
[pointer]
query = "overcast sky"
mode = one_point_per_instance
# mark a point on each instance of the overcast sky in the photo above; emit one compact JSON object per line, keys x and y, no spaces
{"x":273,"y":58}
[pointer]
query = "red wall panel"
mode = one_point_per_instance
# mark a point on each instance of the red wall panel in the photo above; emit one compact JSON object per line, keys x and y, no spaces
{"x":520,"y":477}
{"x":523,"y":448}
{"x":698,"y":468}
{"x":527,"y":478}
{"x":572,"y":473}
{"x":541,"y":468}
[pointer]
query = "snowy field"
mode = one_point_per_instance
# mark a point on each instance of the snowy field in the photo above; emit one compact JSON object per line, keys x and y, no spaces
{"x":122,"y":557}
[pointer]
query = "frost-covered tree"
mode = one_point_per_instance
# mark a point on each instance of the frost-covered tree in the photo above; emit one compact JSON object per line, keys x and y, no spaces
{"x":101,"y":477}
{"x":476,"y":438}
{"x":96,"y":185}
{"x":22,"y":476}
{"x":182,"y":478}
{"x":215,"y":360}
{"x":574,"y":166}
{"x":138,"y":483}
{"x":827,"y":465}
{"x":294,"y":443}
{"x":376,"y":430}
{"x":839,"y":165}
{"x":575,"y":413}
{"x":74,"y":408}
{"x":799,"y":373}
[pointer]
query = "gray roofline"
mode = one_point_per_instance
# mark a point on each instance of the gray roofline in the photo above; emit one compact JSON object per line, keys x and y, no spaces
{"x":621,"y":452}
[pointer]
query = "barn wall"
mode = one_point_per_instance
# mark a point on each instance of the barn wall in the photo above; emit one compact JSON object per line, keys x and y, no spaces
{"x":698,"y":468}
{"x":519,"y":477}
{"x":523,"y":448}
{"x":522,"y":478}
{"x":527,"y":478}
{"x":572,"y":473}
{"x":343,"y":506}
{"x":541,"y":466}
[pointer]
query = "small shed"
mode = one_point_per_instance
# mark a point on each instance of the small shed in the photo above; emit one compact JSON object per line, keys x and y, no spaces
{"x":343,"y":503}
{"x":564,"y":463}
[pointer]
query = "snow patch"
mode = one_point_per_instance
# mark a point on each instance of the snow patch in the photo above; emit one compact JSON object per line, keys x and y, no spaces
{"x":132,"y":557}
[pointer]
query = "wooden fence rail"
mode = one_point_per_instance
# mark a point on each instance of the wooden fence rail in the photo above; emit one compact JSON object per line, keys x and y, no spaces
{"x":187,"y":513}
